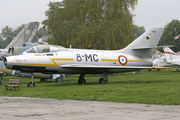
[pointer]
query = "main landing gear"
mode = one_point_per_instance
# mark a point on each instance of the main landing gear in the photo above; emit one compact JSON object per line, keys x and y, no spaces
{"x":81,"y":79}
{"x":31,"y":84}
{"x":103,"y":80}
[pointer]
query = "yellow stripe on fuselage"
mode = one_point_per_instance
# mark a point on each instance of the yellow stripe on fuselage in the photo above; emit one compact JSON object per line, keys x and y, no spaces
{"x":62,"y":59}
{"x":115,"y":60}
{"x":51,"y":65}
{"x":136,"y":61}
{"x":109,"y":60}
{"x":37,"y":54}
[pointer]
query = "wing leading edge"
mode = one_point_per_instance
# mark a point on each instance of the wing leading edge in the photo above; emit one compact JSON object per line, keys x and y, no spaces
{"x":108,"y":67}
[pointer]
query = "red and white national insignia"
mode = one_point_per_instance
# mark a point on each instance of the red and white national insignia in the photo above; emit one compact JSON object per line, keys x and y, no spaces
{"x":122,"y":60}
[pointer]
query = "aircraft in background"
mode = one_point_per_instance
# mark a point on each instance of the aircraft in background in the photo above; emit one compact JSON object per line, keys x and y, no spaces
{"x":52,"y":60}
{"x":171,"y":57}
{"x":19,"y":50}
{"x":168,"y":58}
{"x":25,"y":35}
{"x":177,"y":37}
{"x":159,"y":60}
{"x":18,"y":45}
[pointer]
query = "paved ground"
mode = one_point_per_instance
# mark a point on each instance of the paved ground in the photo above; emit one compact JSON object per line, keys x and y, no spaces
{"x":20,"y":108}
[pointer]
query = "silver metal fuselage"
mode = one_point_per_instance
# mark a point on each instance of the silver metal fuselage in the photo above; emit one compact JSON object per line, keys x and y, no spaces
{"x":89,"y":61}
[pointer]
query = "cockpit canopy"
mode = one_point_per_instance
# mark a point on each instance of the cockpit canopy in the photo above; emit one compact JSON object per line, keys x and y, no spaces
{"x":44,"y":49}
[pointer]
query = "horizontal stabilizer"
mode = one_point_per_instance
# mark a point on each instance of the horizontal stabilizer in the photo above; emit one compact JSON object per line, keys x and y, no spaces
{"x":4,"y":50}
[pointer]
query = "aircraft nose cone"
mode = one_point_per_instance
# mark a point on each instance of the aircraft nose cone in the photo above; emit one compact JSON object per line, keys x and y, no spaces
{"x":7,"y":62}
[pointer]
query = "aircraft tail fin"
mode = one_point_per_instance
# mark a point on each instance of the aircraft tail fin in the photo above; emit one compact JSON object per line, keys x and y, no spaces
{"x":170,"y":55}
{"x":25,"y":35}
{"x":146,"y":44}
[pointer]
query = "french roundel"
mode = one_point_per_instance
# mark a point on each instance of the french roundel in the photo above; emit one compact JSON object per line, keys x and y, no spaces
{"x":122,"y":60}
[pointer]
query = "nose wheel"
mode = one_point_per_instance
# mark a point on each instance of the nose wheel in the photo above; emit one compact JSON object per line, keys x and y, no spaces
{"x":31,"y":84}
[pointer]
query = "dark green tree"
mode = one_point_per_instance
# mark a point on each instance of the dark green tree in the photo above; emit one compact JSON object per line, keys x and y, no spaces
{"x":171,"y":30}
{"x":98,"y":24}
{"x":1,"y":40}
{"x":7,"y":35}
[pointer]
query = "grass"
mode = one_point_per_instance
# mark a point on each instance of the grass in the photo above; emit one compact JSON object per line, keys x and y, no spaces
{"x":150,"y":87}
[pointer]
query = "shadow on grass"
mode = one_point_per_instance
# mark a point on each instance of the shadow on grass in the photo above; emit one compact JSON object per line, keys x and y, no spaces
{"x":89,"y":82}
{"x":143,"y":82}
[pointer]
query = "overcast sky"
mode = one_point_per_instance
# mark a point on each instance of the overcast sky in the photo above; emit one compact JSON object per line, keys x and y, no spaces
{"x":148,"y":12}
{"x":17,"y":12}
{"x":156,"y":12}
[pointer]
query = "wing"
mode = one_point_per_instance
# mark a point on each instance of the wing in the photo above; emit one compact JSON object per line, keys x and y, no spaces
{"x":108,"y":67}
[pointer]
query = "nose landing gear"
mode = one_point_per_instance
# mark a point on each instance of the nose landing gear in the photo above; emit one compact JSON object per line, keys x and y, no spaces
{"x":31,"y":84}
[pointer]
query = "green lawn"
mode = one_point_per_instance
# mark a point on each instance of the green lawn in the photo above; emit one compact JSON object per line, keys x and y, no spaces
{"x":149,"y":87}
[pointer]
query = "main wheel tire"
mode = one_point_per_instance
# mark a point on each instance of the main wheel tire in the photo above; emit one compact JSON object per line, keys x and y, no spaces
{"x":59,"y":79}
{"x":105,"y":81}
{"x":102,"y":81}
{"x":82,"y":81}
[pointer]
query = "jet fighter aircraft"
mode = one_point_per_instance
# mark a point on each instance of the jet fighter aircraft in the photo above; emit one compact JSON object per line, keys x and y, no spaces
{"x":48,"y":59}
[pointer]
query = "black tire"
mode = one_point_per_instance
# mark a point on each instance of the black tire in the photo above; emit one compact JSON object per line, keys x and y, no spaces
{"x":82,"y":82}
{"x":105,"y":81}
{"x":59,"y":79}
{"x":79,"y":82}
{"x":102,"y":81}
{"x":30,"y":84}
